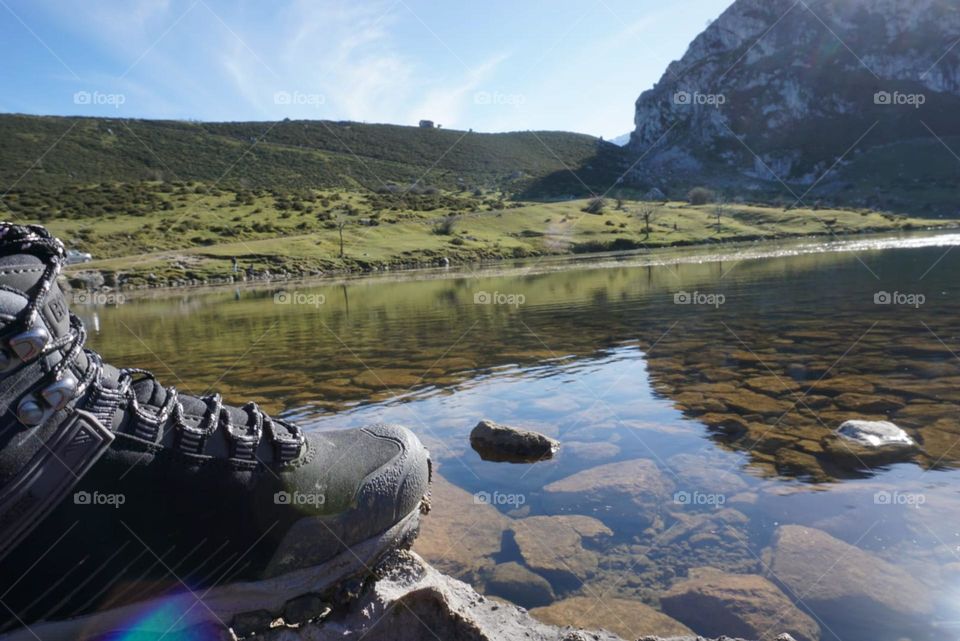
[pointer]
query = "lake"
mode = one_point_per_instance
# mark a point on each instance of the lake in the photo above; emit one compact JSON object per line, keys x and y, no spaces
{"x":696,"y":396}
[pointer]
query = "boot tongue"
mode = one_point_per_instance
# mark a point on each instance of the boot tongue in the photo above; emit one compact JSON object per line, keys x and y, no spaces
{"x":150,"y":392}
{"x":23,"y":273}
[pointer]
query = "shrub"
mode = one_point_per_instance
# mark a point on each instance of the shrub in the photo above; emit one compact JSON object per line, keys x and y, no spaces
{"x":445,"y":226}
{"x":595,"y":206}
{"x":700,"y":196}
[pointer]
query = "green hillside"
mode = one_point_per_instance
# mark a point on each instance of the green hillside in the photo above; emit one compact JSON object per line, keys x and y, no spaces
{"x":297,"y":154}
{"x":164,"y":202}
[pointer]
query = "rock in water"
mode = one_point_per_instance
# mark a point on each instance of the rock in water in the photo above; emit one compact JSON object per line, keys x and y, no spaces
{"x":864,"y":443}
{"x":630,"y":619}
{"x":634,"y":490}
{"x":513,"y":582}
{"x":553,"y":546}
{"x":457,"y":515}
{"x":875,"y":434}
{"x":713,"y":602}
{"x":504,"y":444}
{"x":856,"y":594}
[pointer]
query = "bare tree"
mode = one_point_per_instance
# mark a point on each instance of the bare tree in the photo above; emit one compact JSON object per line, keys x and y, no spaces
{"x":340,"y":220}
{"x":647,"y":213}
{"x":718,"y":212}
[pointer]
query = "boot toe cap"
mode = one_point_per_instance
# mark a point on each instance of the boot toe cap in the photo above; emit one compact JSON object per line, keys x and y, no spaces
{"x":376,"y":476}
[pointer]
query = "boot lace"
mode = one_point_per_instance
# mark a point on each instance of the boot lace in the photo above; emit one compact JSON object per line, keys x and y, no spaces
{"x":27,"y":341}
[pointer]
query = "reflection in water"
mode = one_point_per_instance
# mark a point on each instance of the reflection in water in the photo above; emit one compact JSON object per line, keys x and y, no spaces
{"x":693,"y":434}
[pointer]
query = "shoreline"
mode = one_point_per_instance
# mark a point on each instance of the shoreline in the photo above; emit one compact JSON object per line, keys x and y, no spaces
{"x":693,"y":253}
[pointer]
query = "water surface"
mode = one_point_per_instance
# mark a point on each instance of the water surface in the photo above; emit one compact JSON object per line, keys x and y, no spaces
{"x":715,"y":380}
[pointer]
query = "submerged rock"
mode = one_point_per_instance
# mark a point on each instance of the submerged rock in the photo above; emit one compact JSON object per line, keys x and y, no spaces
{"x":634,"y":489}
{"x":505,"y":444}
{"x":463,"y":533}
{"x":516,"y":583}
{"x":592,"y":450}
{"x":856,"y":594}
{"x":553,"y":545}
{"x":868,"y":403}
{"x":706,"y":473}
{"x":714,"y":603}
{"x":630,"y":619}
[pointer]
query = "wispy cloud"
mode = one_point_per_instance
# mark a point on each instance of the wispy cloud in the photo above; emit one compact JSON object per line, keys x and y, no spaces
{"x":541,"y":65}
{"x":447,"y":103}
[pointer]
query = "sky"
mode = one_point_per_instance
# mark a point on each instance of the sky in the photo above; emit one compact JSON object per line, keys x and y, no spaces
{"x":491,"y":65}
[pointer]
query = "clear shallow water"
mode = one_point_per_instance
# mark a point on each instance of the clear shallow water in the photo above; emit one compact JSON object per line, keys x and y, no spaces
{"x":603,"y":357}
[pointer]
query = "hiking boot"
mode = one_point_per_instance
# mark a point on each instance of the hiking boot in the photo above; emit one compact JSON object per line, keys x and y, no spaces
{"x":129,"y":509}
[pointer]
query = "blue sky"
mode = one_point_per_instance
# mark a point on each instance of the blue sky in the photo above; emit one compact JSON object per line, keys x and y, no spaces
{"x":495,"y":65}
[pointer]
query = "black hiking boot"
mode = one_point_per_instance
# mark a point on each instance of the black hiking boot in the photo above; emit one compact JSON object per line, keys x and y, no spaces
{"x":129,"y":511}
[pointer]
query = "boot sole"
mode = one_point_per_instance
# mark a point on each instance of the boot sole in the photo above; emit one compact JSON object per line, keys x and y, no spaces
{"x":243,"y":608}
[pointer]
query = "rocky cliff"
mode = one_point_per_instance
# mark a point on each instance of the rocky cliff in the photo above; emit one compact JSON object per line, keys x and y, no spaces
{"x":786,"y":90}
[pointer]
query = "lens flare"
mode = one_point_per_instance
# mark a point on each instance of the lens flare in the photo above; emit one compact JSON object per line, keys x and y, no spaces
{"x":178,"y":618}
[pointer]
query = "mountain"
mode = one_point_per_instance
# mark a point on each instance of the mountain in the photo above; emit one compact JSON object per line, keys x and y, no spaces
{"x":855,"y":100}
{"x":621,"y":140}
{"x":293,"y":154}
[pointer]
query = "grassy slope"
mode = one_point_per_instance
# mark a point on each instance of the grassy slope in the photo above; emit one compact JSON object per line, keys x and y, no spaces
{"x":187,"y":241}
{"x":287,"y":155}
{"x":180,"y":200}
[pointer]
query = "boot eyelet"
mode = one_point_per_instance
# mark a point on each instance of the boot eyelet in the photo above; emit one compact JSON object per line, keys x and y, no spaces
{"x":30,"y":412}
{"x":28,"y":345}
{"x":60,"y":393}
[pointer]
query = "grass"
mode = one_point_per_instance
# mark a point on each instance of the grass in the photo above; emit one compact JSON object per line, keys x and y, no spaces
{"x":195,"y":234}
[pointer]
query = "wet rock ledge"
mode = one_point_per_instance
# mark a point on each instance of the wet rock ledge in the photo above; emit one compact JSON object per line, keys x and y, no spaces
{"x":412,"y":601}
